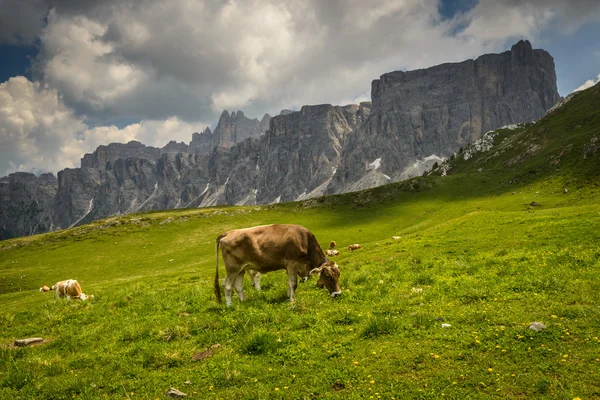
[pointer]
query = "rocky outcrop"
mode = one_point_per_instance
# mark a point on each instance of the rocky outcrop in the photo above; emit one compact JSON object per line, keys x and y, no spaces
{"x":114,"y":151}
{"x":301,"y":150}
{"x":295,"y":159}
{"x":236,"y":127}
{"x":232,"y":129}
{"x":26,"y":203}
{"x":130,"y":185}
{"x":202,"y":142}
{"x":435,"y":111}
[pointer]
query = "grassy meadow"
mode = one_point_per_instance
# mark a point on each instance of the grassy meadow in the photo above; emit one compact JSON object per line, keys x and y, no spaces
{"x":473,"y":254}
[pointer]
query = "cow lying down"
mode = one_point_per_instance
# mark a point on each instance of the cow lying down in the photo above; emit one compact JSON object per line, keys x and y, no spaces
{"x":69,"y":289}
{"x":269,"y":248}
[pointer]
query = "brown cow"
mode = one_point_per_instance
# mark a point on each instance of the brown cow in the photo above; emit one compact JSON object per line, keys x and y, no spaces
{"x":69,"y":289}
{"x":269,"y":248}
{"x":353,"y":247}
{"x":332,"y":245}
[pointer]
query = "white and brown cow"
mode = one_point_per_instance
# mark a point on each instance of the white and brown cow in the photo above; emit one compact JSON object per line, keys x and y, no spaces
{"x":353,"y":247}
{"x":267,"y":248}
{"x":332,"y":253}
{"x":69,"y":289}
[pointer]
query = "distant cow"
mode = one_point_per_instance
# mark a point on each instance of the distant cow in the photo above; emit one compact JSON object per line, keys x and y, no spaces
{"x":396,"y":237}
{"x":332,"y":245}
{"x":353,"y":247}
{"x":332,"y":253}
{"x":269,"y":248}
{"x":44,"y":289}
{"x":69,"y":289}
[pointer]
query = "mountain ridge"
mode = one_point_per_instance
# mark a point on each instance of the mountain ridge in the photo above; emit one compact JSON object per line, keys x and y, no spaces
{"x":416,"y":118}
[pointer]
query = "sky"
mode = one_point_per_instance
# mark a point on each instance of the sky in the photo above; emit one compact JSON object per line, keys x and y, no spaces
{"x":76,"y":74}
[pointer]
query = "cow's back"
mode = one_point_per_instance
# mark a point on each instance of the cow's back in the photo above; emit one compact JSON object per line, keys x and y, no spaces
{"x":268,"y":246}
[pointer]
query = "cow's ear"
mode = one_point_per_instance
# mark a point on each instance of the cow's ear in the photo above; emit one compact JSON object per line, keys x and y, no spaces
{"x":315,"y":271}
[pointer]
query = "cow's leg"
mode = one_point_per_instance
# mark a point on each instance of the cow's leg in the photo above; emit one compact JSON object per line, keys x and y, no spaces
{"x":292,"y":272}
{"x":228,"y":286}
{"x":239,"y":285}
{"x":233,"y":268}
{"x":255,"y":279}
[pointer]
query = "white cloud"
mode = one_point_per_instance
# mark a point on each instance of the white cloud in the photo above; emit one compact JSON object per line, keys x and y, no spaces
{"x":38,"y":133}
{"x":588,"y":84}
{"x":142,"y":61}
{"x":195,"y":58}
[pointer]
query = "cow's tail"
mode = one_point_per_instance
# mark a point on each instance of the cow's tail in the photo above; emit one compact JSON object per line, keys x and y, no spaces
{"x":217,"y":287}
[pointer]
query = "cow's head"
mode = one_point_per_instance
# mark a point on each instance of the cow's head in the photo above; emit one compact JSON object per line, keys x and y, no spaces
{"x":329,"y":275}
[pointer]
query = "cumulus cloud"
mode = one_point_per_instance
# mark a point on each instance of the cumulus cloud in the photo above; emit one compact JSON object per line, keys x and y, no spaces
{"x":139,"y":60}
{"x":588,"y":84}
{"x":38,"y":133}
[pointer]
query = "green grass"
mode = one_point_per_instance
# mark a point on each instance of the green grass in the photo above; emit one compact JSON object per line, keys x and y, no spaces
{"x":472,"y":254}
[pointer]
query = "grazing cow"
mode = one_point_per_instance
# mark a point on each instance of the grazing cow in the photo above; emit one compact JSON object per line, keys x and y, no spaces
{"x":269,"y":248}
{"x":69,"y":289}
{"x":353,"y":247}
{"x":332,"y":245}
{"x":332,"y":253}
{"x":396,"y":237}
{"x":44,"y":289}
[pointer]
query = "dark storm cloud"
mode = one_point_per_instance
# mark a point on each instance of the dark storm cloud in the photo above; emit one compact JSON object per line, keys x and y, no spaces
{"x":21,"y":20}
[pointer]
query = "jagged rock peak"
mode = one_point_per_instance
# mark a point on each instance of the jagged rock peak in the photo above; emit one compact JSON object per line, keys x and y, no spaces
{"x":234,"y":128}
{"x":264,"y":123}
{"x":285,"y":111}
{"x":522,"y":50}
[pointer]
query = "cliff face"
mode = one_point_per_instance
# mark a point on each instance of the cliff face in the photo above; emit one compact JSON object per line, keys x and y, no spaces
{"x":236,"y":127}
{"x":414,"y":120}
{"x":25,"y":204}
{"x":114,"y":151}
{"x":435,"y":111}
{"x":202,"y":142}
{"x":295,"y":159}
{"x":232,"y":129}
{"x":301,"y":150}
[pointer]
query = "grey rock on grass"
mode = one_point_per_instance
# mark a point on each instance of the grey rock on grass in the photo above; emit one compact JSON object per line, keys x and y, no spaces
{"x":537,"y":326}
{"x":172,"y":392}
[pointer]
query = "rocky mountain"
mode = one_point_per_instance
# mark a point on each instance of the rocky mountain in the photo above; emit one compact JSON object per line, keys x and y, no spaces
{"x":433,"y":112}
{"x":26,"y":204}
{"x":232,"y":129}
{"x":201,"y":142}
{"x":415,"y":119}
{"x":236,"y":127}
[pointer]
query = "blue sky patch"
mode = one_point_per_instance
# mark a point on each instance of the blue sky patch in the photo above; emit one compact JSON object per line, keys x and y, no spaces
{"x":16,"y":60}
